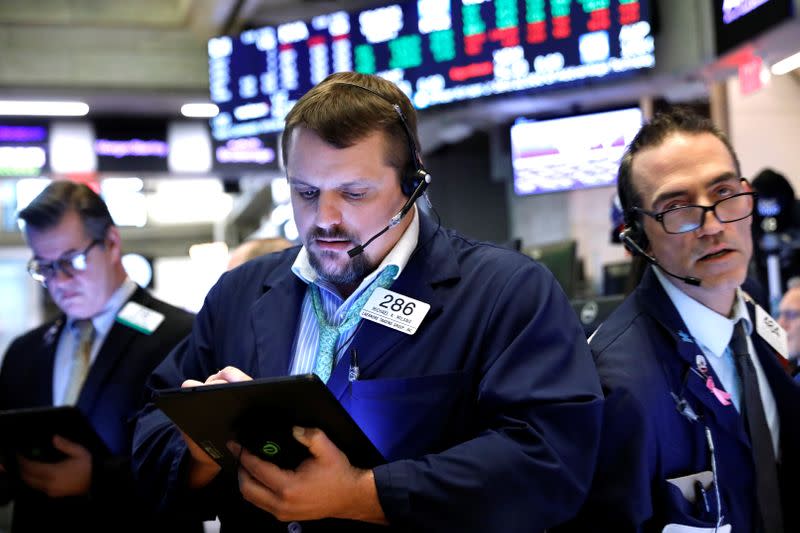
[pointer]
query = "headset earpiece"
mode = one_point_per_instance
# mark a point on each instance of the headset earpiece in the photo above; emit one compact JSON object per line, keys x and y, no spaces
{"x":411,"y":180}
{"x":638,"y":235}
{"x":634,"y":229}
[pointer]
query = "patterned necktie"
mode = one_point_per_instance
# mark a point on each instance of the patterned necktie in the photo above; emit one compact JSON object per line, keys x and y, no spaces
{"x":329,"y":334}
{"x":84,"y":333}
{"x":768,"y":493}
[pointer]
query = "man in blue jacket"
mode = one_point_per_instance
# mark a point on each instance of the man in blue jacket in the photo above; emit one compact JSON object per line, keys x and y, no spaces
{"x":700,"y":427}
{"x":488,"y":414}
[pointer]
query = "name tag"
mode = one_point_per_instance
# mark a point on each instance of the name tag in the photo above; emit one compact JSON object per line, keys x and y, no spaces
{"x":769,"y":330}
{"x":394,"y":310}
{"x":140,"y":318}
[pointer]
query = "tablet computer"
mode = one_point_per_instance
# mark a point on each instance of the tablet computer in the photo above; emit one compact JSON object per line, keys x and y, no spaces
{"x":259,"y":414}
{"x":29,"y":432}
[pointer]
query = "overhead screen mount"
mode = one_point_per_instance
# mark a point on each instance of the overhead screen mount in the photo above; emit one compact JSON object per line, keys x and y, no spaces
{"x":436,"y":51}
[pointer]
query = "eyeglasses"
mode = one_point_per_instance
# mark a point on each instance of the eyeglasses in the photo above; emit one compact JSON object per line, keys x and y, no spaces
{"x":686,"y":218}
{"x":69,"y":264}
{"x":789,"y":314}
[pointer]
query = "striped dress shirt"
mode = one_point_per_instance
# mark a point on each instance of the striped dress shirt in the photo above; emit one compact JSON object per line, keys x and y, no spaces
{"x":306,"y":341}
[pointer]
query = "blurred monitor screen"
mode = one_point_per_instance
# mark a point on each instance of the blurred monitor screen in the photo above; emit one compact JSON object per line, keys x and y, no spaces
{"x":594,"y":311}
{"x":256,"y":153}
{"x":562,"y":260}
{"x":737,"y":21}
{"x":131,"y":145}
{"x":436,"y":51}
{"x":570,"y":153}
{"x":23,"y":149}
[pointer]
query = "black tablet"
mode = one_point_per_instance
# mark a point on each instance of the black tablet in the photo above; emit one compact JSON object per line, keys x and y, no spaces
{"x":29,"y":432}
{"x":259,"y":414}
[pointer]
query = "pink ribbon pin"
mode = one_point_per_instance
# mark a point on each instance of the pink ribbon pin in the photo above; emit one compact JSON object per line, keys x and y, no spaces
{"x":723,"y":397}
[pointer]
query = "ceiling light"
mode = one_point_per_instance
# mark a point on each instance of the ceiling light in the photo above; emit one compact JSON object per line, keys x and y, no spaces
{"x":199,"y":110}
{"x":46,"y":109}
{"x":786,"y":65}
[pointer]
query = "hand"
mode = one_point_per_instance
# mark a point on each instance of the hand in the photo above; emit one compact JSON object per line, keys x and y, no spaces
{"x":229,"y":374}
{"x":324,"y":486}
{"x":71,"y":476}
{"x":203,"y":468}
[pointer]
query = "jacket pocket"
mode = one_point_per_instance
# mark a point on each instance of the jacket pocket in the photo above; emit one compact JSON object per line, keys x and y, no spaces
{"x":409,"y":417}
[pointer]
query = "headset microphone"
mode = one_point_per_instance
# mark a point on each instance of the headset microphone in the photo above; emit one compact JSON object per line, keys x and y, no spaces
{"x":395,"y":220}
{"x":635,"y":248}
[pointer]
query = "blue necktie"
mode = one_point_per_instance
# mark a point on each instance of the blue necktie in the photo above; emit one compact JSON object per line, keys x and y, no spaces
{"x":329,"y":334}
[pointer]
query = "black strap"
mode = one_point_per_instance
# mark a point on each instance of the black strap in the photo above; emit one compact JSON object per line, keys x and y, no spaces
{"x":752,"y":409}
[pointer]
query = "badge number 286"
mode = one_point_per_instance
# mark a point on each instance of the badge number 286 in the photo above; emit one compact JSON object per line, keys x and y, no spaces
{"x":395,"y":310}
{"x":398,"y":304}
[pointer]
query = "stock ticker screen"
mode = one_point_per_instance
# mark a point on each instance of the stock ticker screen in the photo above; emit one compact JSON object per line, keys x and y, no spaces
{"x":436,"y":51}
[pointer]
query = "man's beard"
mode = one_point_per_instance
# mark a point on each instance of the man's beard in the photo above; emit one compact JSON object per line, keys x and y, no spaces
{"x":353,"y":271}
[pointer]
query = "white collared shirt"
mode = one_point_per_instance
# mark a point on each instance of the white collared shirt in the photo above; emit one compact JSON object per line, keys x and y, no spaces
{"x":67,"y":342}
{"x":712,"y":332}
{"x":306,"y":342}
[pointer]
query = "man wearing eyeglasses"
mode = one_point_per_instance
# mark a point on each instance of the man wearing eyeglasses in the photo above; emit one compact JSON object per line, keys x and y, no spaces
{"x":96,"y":355}
{"x":700,"y":429}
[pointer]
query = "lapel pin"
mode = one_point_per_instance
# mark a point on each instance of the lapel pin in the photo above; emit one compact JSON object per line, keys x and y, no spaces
{"x":701,"y":364}
{"x":52,"y":331}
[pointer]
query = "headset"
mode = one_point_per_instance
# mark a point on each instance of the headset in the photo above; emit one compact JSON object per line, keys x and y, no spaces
{"x":415,"y":175}
{"x":415,"y":178}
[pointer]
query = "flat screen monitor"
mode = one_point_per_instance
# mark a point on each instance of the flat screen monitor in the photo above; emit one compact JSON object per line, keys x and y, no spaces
{"x":562,"y":260}
{"x":570,"y":153}
{"x":436,"y":51}
{"x":737,"y":21}
{"x":23,"y":149}
{"x":131,"y":145}
{"x":594,"y":311}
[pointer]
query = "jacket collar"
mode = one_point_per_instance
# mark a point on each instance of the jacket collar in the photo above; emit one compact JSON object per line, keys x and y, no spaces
{"x":653,"y":300}
{"x":275,"y":314}
{"x":114,"y":349}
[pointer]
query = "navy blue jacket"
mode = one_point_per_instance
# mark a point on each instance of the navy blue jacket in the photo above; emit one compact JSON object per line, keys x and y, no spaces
{"x":643,"y":354}
{"x":489,"y":415}
{"x":113,"y":392}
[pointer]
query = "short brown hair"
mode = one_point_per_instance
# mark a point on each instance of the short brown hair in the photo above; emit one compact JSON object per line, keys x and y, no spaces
{"x":47,"y":209}
{"x":342,"y":115}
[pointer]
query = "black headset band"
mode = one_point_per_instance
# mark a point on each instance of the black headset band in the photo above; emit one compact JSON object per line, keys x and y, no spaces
{"x":416,"y":160}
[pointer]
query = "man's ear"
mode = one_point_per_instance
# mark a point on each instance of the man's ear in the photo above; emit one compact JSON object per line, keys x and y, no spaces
{"x":113,"y":243}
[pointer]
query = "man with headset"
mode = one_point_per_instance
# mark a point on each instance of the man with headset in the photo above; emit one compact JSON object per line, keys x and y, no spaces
{"x":489,"y":412}
{"x":700,"y":429}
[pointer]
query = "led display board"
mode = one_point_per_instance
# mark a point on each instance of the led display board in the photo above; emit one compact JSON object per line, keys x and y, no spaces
{"x":571,"y":153}
{"x":255,"y":153}
{"x":436,"y":51}
{"x":131,"y":145}
{"x":737,"y":21}
{"x":23,"y":149}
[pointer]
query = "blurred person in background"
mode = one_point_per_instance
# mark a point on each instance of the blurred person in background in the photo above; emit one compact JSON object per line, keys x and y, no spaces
{"x":789,"y":319}
{"x":700,"y":424}
{"x":489,"y":411}
{"x":95,"y":355}
{"x":776,"y":234}
{"x":256,"y":248}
